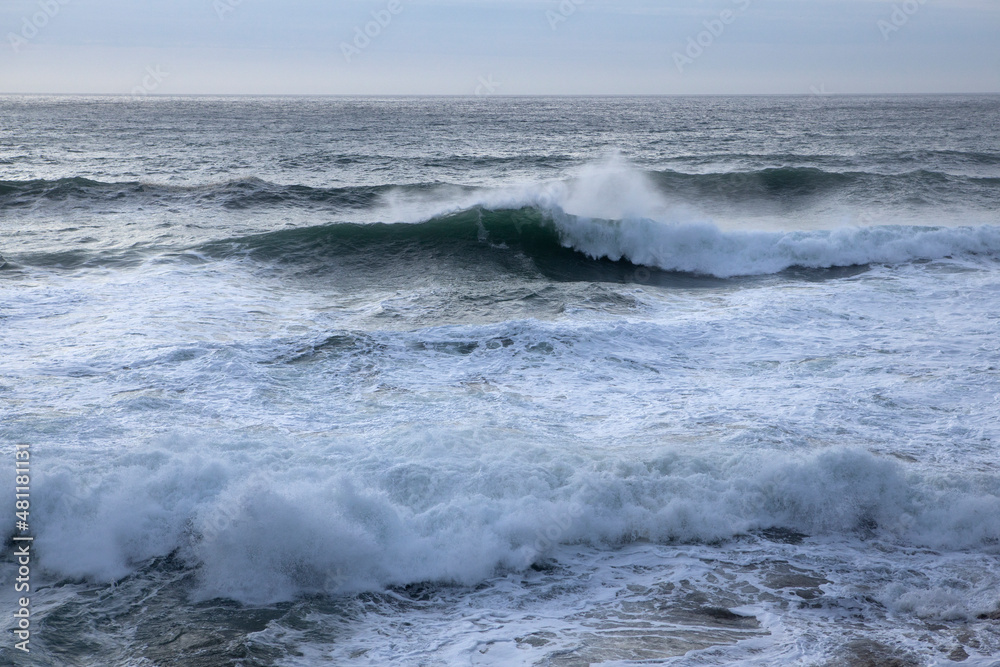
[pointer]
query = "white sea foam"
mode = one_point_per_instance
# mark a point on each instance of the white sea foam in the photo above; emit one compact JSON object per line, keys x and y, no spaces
{"x":704,"y":248}
{"x":260,"y":537}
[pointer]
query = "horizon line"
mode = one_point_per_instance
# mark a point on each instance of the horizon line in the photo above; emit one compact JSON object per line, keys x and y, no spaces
{"x":493,"y":96}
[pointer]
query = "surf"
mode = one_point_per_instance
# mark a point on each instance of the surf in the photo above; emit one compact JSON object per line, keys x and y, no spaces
{"x":557,"y":242}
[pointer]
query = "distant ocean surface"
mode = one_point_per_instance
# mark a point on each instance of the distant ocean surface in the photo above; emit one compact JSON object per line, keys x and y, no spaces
{"x":498,"y":381}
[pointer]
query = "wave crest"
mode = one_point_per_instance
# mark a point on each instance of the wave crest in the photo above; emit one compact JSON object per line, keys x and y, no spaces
{"x":562,"y":245}
{"x":259,"y":537}
{"x":706,"y":249}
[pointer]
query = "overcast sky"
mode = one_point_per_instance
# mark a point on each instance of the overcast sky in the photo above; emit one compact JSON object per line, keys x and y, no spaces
{"x":512,"y":47}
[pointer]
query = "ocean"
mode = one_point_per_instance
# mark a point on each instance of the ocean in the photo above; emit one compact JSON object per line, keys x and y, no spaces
{"x":502,"y":381}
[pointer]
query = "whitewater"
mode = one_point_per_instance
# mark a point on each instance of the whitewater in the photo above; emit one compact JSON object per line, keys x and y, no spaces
{"x":504,"y":382}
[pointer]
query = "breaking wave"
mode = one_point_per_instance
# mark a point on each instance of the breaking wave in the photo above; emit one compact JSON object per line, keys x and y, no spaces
{"x":261,"y":537}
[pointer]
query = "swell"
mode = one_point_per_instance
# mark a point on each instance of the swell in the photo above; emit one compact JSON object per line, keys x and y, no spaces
{"x":245,"y":193}
{"x":775,"y":183}
{"x":798,"y":183}
{"x":547,"y":242}
{"x":561,"y":245}
{"x":474,"y":244}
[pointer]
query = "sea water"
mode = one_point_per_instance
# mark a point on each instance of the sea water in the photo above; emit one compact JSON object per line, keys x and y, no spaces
{"x":496,"y":381}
